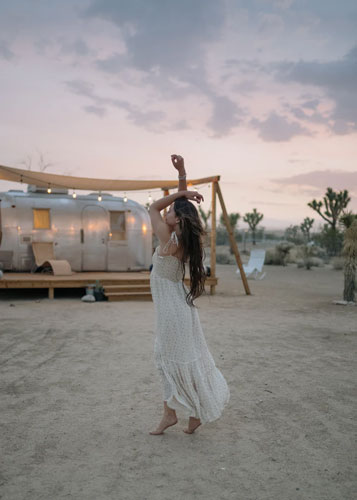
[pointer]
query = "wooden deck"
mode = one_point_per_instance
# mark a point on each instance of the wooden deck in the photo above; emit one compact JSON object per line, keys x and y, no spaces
{"x":117,"y":286}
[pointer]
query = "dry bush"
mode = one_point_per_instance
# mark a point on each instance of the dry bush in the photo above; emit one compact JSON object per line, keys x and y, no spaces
{"x":316,"y":262}
{"x":337,"y":263}
{"x":294,"y":254}
{"x":278,"y":255}
{"x":297,"y":253}
{"x":273,"y":258}
{"x":223,"y":256}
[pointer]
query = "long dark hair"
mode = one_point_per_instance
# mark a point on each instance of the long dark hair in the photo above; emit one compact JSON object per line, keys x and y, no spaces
{"x":190,"y":241}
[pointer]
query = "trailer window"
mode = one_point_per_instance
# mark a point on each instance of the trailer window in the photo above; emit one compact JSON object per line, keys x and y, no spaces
{"x":41,"y":218}
{"x":117,"y":225}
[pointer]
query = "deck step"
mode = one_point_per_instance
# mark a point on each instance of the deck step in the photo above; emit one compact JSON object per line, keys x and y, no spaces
{"x":124,"y":281}
{"x":108,"y":289}
{"x":122,"y":296}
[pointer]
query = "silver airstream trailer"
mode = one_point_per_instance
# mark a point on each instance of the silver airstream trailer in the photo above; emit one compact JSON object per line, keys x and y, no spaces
{"x":113,"y":234}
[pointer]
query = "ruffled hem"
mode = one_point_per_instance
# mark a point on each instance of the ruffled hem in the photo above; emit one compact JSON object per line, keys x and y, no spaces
{"x":197,"y":387}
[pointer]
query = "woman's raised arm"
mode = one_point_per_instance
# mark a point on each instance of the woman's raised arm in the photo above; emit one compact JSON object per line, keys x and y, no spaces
{"x":179,"y":163}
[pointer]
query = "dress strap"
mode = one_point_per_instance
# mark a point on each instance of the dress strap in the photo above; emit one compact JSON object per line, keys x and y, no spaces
{"x":173,"y":240}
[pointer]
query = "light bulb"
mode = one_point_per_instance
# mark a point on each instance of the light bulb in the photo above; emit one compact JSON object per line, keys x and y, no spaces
{"x":150,"y":198}
{"x":49,"y":190}
{"x":74,"y":194}
{"x":125,"y":198}
{"x":99,"y":197}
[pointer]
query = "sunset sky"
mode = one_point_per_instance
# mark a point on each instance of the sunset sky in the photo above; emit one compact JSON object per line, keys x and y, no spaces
{"x":263,"y":93}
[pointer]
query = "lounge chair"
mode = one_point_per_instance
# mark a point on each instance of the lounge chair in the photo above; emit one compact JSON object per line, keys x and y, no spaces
{"x":46,"y":260}
{"x":254,"y":268}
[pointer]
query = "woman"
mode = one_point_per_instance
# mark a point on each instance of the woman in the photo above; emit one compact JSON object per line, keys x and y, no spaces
{"x":191,"y":380}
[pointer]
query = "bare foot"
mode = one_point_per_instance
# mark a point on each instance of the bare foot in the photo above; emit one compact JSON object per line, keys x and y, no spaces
{"x":167,"y":421}
{"x":193,"y":423}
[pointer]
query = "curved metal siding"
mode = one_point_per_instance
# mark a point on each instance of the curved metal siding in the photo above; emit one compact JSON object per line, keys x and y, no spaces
{"x":96,"y":252}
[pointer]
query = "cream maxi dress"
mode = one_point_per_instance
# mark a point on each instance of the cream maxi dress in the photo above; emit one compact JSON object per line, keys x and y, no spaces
{"x":191,"y":380}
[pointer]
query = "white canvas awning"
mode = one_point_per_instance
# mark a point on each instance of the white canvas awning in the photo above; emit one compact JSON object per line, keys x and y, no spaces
{"x":43,"y":179}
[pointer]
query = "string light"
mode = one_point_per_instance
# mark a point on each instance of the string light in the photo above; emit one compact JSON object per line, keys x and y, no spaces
{"x":74,"y":195}
{"x":100,"y":196}
{"x":125,"y":198}
{"x":49,"y":190}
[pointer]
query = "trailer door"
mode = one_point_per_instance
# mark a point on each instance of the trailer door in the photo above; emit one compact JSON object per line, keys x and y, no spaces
{"x":118,"y":255}
{"x":94,"y":238}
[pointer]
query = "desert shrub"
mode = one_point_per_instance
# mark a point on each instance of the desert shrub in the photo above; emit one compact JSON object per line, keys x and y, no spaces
{"x":320,"y":252}
{"x":273,"y":258}
{"x":223,"y":256}
{"x":301,"y":252}
{"x":223,"y":259}
{"x":311,"y":262}
{"x":277,"y":256}
{"x":283,"y":249}
{"x":316,"y":262}
{"x":337,"y":263}
{"x":294,"y":254}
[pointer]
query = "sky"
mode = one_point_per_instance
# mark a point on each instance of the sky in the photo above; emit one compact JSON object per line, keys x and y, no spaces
{"x":260,"y":92}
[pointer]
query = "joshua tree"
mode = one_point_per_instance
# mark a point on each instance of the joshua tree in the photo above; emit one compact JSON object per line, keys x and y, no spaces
{"x":305,"y":227}
{"x":307,"y":248}
{"x":253,"y":219}
{"x":349,"y":220}
{"x":233,"y":219}
{"x":204,"y":216}
{"x":346,"y":219}
{"x":334,"y":204}
{"x":292,"y":233}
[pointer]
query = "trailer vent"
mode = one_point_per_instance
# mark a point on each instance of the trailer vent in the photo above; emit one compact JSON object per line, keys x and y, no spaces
{"x":26,"y":239}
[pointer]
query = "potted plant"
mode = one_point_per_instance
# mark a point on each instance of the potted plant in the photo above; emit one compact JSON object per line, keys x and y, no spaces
{"x":99,"y":291}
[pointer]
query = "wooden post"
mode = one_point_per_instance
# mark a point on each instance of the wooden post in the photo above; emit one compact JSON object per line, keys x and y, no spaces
{"x":213,"y":236}
{"x":232,"y":240}
{"x":51,"y":293}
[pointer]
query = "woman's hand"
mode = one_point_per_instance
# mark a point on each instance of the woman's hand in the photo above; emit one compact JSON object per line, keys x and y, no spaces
{"x":178,"y":162}
{"x":193,"y":195}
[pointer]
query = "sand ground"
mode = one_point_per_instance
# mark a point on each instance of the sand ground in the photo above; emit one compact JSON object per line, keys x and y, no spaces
{"x":80,"y":393}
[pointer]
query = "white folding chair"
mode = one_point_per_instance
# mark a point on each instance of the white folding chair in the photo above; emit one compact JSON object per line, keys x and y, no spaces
{"x":254,"y":268}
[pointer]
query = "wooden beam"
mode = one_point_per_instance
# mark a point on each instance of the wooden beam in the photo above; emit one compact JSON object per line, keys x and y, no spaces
{"x":232,"y":240}
{"x":213,"y":236}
